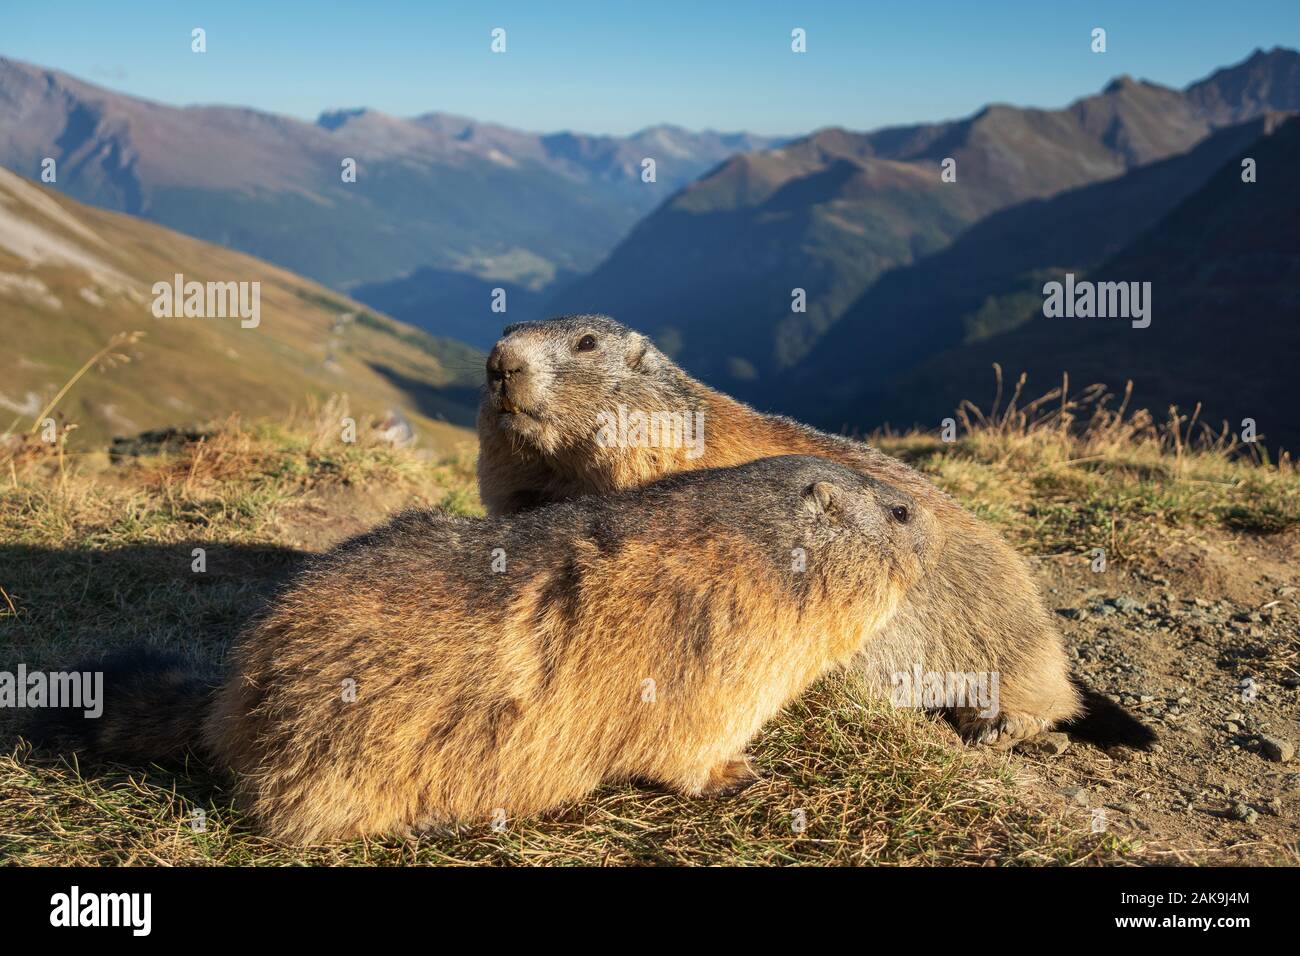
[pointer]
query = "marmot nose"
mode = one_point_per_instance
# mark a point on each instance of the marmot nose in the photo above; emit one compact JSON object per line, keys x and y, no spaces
{"x":503,"y":362}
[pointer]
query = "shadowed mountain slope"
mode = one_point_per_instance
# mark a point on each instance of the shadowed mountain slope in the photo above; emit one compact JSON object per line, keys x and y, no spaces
{"x":1224,"y":268}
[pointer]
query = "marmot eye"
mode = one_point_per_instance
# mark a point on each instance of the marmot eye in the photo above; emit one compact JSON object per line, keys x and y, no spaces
{"x":586,"y":343}
{"x":900,"y":513}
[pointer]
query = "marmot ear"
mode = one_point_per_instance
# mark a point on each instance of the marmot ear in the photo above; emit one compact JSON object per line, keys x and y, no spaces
{"x":642,"y":356}
{"x":822,"y":498}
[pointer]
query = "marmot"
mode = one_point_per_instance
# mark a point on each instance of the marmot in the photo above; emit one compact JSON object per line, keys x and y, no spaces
{"x":554,"y":423}
{"x":442,"y":669}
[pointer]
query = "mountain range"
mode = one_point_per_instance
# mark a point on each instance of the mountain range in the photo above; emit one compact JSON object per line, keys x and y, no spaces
{"x":435,"y":196}
{"x":848,"y":278}
{"x":990,"y":279}
{"x":1224,"y":273}
{"x":866,"y":226}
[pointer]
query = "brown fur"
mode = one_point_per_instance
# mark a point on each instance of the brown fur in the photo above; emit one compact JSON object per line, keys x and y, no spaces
{"x":480,"y":693}
{"x":977,"y":610}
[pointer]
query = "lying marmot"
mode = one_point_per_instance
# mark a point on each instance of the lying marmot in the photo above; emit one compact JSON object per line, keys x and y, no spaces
{"x":579,"y":404}
{"x":444,"y":669}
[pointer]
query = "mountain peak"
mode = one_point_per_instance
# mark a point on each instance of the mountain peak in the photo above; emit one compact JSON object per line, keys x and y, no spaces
{"x":1277,"y":53}
{"x":1264,"y":80}
{"x":657,"y":128}
{"x":1279,"y":58}
{"x":333,"y":119}
{"x":835,"y":139}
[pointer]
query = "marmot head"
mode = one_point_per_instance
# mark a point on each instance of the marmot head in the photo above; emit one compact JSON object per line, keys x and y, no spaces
{"x":852,"y":547}
{"x":549,"y":382}
{"x":852,"y":536}
{"x":856,"y":525}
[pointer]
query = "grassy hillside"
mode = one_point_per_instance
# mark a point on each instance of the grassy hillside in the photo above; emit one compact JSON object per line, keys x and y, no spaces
{"x":73,"y":277}
{"x":96,"y":554}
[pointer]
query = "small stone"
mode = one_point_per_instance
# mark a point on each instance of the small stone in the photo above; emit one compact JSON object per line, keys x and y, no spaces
{"x":1075,"y":795}
{"x":1239,"y":811}
{"x":1128,"y":605}
{"x":1276,"y":749}
{"x":1052,"y":744}
{"x":1072,"y":613}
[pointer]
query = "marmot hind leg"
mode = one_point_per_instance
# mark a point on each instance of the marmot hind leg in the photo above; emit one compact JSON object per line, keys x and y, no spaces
{"x":1001,"y":732}
{"x":701,"y":780}
{"x":1027,"y":708}
{"x":722,"y":779}
{"x":730,"y":776}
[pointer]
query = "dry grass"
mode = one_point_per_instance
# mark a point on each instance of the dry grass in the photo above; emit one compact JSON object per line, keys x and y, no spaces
{"x":1064,"y":474}
{"x":95,"y":553}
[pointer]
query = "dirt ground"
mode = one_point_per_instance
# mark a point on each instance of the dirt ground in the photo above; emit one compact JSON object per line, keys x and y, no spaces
{"x":1202,"y":645}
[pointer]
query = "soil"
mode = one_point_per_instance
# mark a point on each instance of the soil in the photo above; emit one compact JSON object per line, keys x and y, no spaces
{"x":1203,"y":645}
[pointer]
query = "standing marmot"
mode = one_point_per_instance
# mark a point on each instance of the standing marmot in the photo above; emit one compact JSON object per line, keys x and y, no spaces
{"x":446,"y":669}
{"x":565,"y":404}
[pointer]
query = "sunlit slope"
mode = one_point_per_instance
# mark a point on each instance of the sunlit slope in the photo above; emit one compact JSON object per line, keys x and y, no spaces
{"x":72,"y":276}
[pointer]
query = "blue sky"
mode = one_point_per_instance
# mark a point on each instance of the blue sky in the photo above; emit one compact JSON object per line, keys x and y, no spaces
{"x":617,"y":66}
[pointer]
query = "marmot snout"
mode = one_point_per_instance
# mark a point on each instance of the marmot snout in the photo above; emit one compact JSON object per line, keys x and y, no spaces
{"x":444,"y":669}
